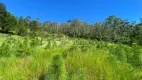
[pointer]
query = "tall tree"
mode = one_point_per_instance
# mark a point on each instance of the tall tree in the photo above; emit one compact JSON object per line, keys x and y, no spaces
{"x":7,"y":20}
{"x":34,"y":25}
{"x":2,"y":14}
{"x":22,"y":28}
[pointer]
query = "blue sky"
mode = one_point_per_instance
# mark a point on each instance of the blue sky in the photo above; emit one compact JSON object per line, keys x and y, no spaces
{"x":63,"y":10}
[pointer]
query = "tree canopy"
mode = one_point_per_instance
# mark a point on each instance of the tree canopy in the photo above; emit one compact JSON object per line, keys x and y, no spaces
{"x":112,"y":29}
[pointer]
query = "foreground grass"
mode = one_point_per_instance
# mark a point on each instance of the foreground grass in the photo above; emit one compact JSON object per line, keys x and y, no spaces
{"x":21,"y":61}
{"x":102,"y":62}
{"x":24,"y":58}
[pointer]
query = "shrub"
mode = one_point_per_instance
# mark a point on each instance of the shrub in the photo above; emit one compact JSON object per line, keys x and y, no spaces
{"x":136,"y":59}
{"x":49,"y":45}
{"x":24,"y":48}
{"x":35,"y":42}
{"x":5,"y":49}
{"x":119,"y":52}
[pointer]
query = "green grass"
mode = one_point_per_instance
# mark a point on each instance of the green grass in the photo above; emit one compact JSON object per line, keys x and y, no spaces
{"x":25,"y":58}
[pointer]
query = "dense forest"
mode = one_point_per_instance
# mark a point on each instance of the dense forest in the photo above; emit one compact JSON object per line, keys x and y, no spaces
{"x":72,"y":50}
{"x":112,"y":29}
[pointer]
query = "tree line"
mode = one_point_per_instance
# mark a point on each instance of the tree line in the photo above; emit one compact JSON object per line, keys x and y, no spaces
{"x":112,"y":29}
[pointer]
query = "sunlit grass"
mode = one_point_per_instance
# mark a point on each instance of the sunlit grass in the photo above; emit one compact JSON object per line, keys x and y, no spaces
{"x":78,"y":59}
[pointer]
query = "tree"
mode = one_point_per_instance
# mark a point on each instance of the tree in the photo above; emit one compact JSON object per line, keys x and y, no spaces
{"x":34,"y":25}
{"x":74,"y":29}
{"x":141,"y":20}
{"x":22,"y":28}
{"x":2,"y":9}
{"x":2,"y":14}
{"x":27,"y":21}
{"x":7,"y":20}
{"x":138,"y":35}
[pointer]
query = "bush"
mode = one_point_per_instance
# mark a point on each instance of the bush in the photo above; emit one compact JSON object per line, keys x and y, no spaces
{"x":35,"y":42}
{"x":7,"y":48}
{"x":136,"y":59}
{"x":23,"y":48}
{"x":49,"y":45}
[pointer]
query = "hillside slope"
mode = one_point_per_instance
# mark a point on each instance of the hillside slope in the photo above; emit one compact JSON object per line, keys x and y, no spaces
{"x":63,"y":58}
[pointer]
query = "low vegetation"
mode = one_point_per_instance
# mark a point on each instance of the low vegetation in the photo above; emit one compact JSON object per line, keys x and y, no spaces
{"x":75,"y":59}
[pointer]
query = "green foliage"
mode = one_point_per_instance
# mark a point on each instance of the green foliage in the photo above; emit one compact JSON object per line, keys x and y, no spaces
{"x":8,"y":21}
{"x":12,"y":47}
{"x":35,"y":42}
{"x":2,"y":7}
{"x":57,"y":68}
{"x":136,"y":59}
{"x":107,"y":62}
{"x":24,"y":48}
{"x":119,"y":52}
{"x":54,"y":44}
{"x":112,"y":29}
{"x":34,"y":25}
{"x":49,"y":45}
{"x":5,"y":49}
{"x":2,"y":12}
{"x":22,"y":29}
{"x":24,"y":58}
{"x":80,"y":76}
{"x":28,"y":58}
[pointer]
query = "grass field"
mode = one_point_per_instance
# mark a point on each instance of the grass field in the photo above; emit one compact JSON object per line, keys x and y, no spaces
{"x":25,"y":58}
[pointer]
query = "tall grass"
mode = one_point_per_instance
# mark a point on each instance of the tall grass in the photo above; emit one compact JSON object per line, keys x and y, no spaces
{"x":24,"y":58}
{"x":57,"y":68}
{"x":101,"y":61}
